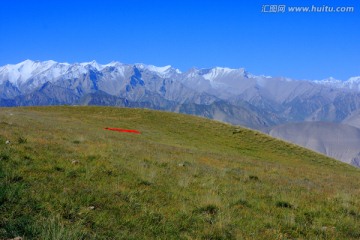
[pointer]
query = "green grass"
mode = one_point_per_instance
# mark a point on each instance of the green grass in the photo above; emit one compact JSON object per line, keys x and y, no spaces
{"x":64,"y":177}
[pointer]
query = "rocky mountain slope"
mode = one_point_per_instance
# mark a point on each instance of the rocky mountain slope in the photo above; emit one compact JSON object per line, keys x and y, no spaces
{"x":336,"y":140}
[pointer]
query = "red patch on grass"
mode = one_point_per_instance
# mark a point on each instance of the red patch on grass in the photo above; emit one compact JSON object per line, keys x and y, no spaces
{"x":123,"y":130}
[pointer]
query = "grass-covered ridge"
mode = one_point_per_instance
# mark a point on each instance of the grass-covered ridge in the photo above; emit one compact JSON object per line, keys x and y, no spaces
{"x":64,"y":177}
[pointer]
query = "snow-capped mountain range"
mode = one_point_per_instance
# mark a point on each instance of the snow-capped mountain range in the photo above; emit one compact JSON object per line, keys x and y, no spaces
{"x":223,"y":83}
{"x":230,"y":95}
{"x":352,"y":83}
{"x":279,"y":99}
{"x":49,"y":71}
{"x":18,"y":74}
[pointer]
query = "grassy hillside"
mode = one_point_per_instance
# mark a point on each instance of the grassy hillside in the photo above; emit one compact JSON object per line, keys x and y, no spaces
{"x":64,"y":177}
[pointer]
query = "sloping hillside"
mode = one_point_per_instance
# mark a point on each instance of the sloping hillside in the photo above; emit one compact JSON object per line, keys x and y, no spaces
{"x":353,"y":119}
{"x":336,"y":140}
{"x":63,"y":176}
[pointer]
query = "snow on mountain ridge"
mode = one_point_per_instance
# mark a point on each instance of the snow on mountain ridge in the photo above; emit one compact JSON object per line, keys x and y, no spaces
{"x":158,"y":69}
{"x":164,"y":71}
{"x":354,"y":79}
{"x":93,"y":64}
{"x":19,"y":73}
{"x":216,"y":72}
{"x":22,"y":71}
{"x":331,"y":82}
{"x":352,"y":83}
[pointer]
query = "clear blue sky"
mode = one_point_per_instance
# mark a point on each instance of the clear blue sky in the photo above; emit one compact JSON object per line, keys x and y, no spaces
{"x":186,"y":34}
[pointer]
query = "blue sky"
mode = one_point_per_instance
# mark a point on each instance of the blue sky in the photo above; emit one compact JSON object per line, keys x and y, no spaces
{"x":186,"y":34}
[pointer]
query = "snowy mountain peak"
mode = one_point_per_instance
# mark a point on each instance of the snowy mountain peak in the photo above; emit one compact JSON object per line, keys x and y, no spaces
{"x":113,"y":64}
{"x":22,"y":71}
{"x":93,"y":64}
{"x":354,"y":79}
{"x":352,"y":83}
{"x":164,"y":71}
{"x":219,"y":72}
{"x":328,"y":81}
{"x":26,"y":62}
{"x":160,"y":70}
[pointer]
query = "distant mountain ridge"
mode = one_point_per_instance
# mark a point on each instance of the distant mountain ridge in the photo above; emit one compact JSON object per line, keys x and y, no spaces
{"x":225,"y":94}
{"x":116,"y":84}
{"x":229,"y":95}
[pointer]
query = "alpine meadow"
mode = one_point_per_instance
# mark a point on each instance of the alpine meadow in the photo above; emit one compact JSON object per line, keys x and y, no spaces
{"x":64,"y":176}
